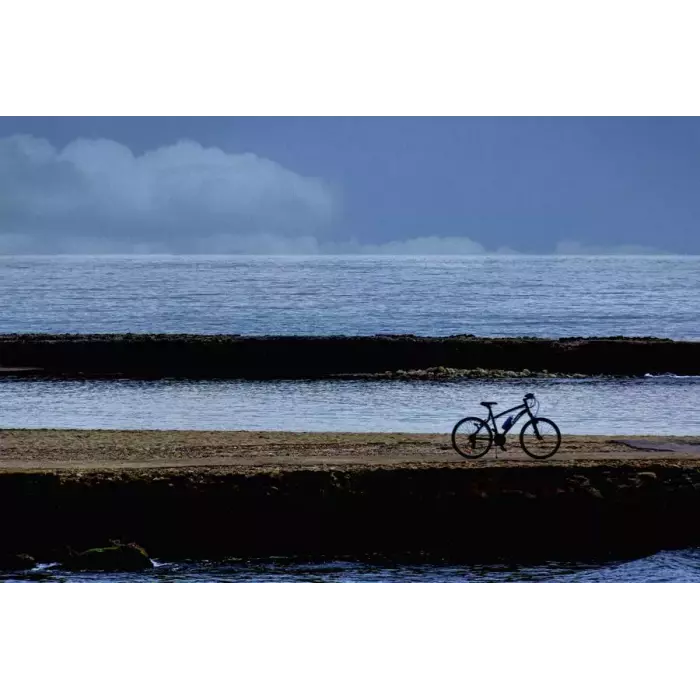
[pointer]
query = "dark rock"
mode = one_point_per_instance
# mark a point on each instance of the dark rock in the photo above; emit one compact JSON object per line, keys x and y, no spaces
{"x":118,"y":557}
{"x":567,"y":510}
{"x":16,"y":562}
{"x":306,"y":357}
{"x":439,"y":373}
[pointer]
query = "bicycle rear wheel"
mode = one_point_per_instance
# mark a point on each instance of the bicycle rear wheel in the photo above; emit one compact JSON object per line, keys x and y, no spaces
{"x":540,"y":438}
{"x":472,"y":437}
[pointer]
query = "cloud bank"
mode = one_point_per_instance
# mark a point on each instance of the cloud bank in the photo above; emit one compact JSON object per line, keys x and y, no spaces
{"x":576,"y":248}
{"x":97,"y":196}
{"x":423,"y":245}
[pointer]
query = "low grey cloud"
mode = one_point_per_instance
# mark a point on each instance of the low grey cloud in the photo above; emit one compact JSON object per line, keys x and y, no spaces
{"x":577,"y":248}
{"x":436,"y":245}
{"x":422,"y":245}
{"x":96,"y":196}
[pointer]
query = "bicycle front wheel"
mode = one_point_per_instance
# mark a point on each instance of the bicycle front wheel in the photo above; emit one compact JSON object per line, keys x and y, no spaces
{"x":472,"y":437}
{"x":540,"y":438}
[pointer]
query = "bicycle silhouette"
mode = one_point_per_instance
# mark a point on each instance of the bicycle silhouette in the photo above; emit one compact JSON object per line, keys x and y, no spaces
{"x":540,"y":437}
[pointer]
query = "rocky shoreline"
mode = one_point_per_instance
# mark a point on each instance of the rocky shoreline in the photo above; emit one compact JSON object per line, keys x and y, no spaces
{"x":318,"y":357}
{"x":213,"y":495}
{"x":448,"y":373}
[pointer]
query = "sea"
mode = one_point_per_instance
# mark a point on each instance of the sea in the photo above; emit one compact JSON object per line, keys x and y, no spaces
{"x":545,"y":296}
{"x":496,"y":296}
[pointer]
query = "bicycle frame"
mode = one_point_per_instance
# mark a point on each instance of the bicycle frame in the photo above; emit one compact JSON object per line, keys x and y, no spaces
{"x":523,"y":408}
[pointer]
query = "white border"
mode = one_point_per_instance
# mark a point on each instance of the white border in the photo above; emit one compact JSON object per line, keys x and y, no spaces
{"x":378,"y":57}
{"x":349,"y":641}
{"x":369,"y":58}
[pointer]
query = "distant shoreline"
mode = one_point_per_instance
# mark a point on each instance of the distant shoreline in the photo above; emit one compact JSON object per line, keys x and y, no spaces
{"x":186,"y":356}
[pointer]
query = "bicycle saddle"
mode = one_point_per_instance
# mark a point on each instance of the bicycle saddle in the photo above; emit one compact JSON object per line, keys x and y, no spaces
{"x":489,"y":403}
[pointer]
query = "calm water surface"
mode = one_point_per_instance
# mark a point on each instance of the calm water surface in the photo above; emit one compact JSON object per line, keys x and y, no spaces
{"x":661,"y":405}
{"x":547,"y":296}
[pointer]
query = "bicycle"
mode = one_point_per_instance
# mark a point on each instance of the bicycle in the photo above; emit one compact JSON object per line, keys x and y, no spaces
{"x":539,"y":438}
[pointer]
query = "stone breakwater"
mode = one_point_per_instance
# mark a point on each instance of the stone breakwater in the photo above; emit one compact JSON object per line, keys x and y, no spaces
{"x":215,"y":495}
{"x":307,"y":357}
{"x":557,"y":511}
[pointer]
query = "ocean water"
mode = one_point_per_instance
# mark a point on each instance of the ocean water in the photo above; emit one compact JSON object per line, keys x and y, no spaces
{"x":545,"y":296}
{"x":652,"y":405}
{"x":679,"y":566}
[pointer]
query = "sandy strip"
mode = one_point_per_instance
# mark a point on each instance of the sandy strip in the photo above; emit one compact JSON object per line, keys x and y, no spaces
{"x":86,"y":449}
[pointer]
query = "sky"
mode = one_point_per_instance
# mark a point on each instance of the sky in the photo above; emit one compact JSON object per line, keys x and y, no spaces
{"x":349,"y":185}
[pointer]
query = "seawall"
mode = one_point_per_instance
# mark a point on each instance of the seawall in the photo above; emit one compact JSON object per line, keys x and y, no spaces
{"x":568,"y":511}
{"x":295,"y":357}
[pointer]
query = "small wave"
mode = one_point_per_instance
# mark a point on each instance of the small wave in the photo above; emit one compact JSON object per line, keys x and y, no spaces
{"x":671,"y":376}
